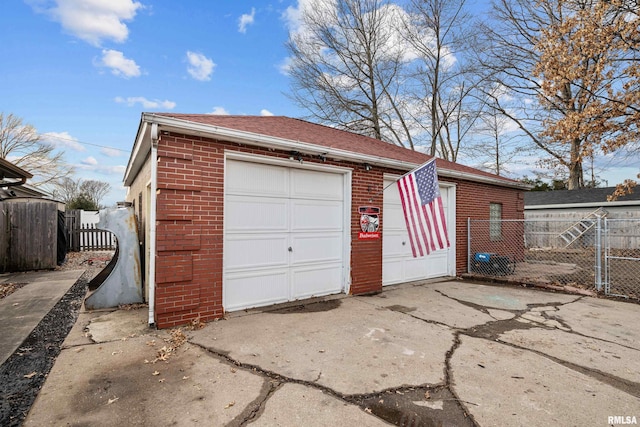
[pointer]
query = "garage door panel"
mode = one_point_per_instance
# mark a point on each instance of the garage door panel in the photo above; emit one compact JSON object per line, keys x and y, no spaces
{"x":244,"y":213}
{"x":393,"y":219}
{"x":308,"y":184}
{"x":392,"y":244}
{"x":317,"y":215}
{"x":438,"y":265}
{"x":255,"y":290}
{"x":415,"y":268}
{"x":256,"y":179}
{"x":392,"y":271}
{"x":251,"y":251}
{"x":313,"y":248}
{"x":391,"y":194}
{"x":315,"y":281}
{"x":269,"y":209}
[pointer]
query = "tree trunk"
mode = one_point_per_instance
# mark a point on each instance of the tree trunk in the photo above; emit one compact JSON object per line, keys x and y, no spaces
{"x":575,"y":167}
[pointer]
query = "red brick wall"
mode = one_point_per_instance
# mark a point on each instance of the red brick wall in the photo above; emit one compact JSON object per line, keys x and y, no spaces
{"x":472,"y":200}
{"x":189,"y":225}
{"x":366,"y":255}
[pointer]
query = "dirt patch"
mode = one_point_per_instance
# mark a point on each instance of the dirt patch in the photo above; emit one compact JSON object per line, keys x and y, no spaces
{"x":418,"y":407}
{"x":7,"y":289}
{"x":315,"y":307}
{"x":401,"y":308}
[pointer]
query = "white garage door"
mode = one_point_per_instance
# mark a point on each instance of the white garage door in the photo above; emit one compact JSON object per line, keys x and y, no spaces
{"x":284,"y":234}
{"x":398,"y":263}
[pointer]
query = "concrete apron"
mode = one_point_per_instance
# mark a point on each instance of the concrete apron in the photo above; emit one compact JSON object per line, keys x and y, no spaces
{"x":447,"y":353}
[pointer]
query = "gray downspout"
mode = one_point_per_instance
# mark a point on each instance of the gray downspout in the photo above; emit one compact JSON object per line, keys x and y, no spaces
{"x":152,"y":223}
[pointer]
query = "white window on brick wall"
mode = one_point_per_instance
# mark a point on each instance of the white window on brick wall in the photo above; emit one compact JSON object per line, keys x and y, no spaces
{"x":495,"y":221}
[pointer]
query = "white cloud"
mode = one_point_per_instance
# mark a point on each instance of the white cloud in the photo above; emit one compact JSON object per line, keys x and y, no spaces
{"x":111,"y":152}
{"x":90,"y":161}
{"x":285,"y":66}
{"x":90,"y":164}
{"x":265,"y":112}
{"x":92,"y":20}
{"x":62,"y":140}
{"x":219,"y":111}
{"x":146,"y":103}
{"x":246,"y":19}
{"x":120,"y":66}
{"x":200,"y":67}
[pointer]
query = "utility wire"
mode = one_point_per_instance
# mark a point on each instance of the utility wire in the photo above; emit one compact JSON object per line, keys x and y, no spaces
{"x":50,"y":137}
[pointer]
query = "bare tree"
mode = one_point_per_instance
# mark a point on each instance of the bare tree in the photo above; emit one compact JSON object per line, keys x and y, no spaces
{"x":95,"y":190}
{"x":496,"y":147}
{"x":346,"y":62}
{"x":22,"y":145}
{"x":66,"y":189}
{"x":90,"y":192}
{"x":443,"y":38}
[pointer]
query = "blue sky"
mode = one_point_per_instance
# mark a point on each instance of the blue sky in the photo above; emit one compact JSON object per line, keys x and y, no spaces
{"x":83,"y":75}
{"x":82,"y":71}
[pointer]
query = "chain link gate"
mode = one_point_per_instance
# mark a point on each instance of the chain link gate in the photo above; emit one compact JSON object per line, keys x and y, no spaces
{"x":592,"y":253}
{"x":621,"y":257}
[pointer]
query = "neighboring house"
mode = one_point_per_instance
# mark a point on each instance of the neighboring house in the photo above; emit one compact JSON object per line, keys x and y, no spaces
{"x":578,"y":204}
{"x":245,"y":211}
{"x":11,"y":177}
{"x":25,"y":190}
{"x":13,"y":182}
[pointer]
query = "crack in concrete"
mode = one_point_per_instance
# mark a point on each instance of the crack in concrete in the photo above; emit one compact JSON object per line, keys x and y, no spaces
{"x":398,"y":404}
{"x":493,"y":330}
{"x":621,"y":384}
{"x":280,"y":379}
{"x":255,"y":408}
{"x":448,"y":372}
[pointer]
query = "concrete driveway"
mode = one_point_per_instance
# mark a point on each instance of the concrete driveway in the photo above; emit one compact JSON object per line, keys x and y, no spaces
{"x":449,"y":353}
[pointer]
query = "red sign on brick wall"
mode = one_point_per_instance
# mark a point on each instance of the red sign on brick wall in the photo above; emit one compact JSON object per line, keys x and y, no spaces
{"x":369,"y":223}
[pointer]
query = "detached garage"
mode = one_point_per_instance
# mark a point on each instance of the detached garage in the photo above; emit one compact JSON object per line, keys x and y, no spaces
{"x":238,"y":212}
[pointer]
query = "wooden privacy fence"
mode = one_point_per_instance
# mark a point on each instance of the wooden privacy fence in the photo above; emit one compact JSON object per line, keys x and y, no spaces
{"x":86,"y":237}
{"x":28,"y":234}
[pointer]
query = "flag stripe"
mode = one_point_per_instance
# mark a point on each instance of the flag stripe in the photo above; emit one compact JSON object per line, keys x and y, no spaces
{"x":422,"y":237}
{"x":423,"y":210}
{"x":408,"y":216}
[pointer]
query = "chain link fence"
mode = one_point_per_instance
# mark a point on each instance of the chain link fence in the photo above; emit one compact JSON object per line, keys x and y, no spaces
{"x":592,"y":253}
{"x":621,"y":265}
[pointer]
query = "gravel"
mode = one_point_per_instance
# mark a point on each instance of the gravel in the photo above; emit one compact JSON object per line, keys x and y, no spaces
{"x":23,"y":373}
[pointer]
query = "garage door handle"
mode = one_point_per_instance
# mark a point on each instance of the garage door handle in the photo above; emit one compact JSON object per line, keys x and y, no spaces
{"x":404,"y":243}
{"x":290,"y":249}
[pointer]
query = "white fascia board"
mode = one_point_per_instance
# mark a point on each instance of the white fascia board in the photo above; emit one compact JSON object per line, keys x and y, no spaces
{"x":250,"y":138}
{"x":584,"y":205}
{"x":141,"y":147}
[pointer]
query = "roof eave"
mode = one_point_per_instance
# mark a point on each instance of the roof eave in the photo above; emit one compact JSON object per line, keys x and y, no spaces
{"x":266,"y":141}
{"x":13,"y":171}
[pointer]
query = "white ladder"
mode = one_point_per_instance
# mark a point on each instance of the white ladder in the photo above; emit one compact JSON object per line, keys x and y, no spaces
{"x":576,"y":231}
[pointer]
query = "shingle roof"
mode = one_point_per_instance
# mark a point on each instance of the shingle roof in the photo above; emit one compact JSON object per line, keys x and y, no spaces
{"x":313,"y":133}
{"x":583,"y":195}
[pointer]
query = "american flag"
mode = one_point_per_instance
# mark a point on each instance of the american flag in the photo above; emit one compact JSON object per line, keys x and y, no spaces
{"x":423,"y":210}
